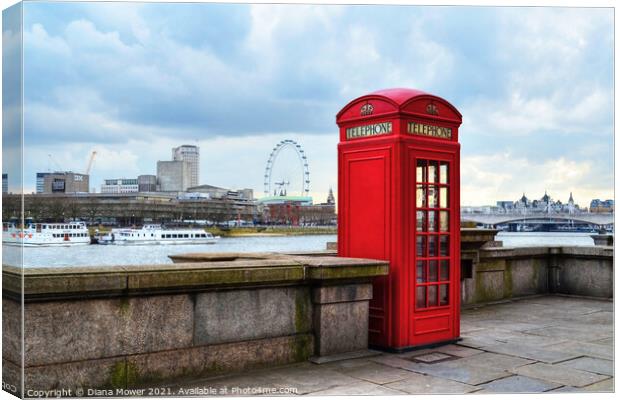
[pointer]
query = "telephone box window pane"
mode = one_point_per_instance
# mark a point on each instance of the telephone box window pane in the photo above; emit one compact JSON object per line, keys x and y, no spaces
{"x":432,"y":295}
{"x":420,"y":198}
{"x":432,"y":171}
{"x":421,"y":271}
{"x":432,"y":271}
{"x":443,"y":245}
{"x":421,"y":171}
{"x":420,"y":221}
{"x":444,"y":270}
{"x":432,"y":196}
{"x":443,"y":221}
{"x":443,"y":172}
{"x":432,"y":246}
{"x":420,"y":247}
{"x":443,"y":295}
{"x":420,"y":297}
{"x":432,"y":221}
{"x":443,"y":197}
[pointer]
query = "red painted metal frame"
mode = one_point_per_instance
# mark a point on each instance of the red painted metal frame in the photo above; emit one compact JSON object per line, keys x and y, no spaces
{"x":377,"y":210}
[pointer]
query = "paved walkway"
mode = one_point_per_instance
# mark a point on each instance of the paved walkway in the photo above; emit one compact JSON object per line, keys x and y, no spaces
{"x":538,"y":344}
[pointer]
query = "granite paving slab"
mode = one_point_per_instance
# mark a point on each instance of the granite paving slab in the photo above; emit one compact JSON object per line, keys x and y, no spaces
{"x":377,"y":373}
{"x":357,"y":389}
{"x":566,"y":389}
{"x":572,"y":333}
{"x":494,"y":361}
{"x":560,"y":374}
{"x":583,"y":349}
{"x":518,"y":384}
{"x":603,"y":386}
{"x":547,"y":354}
{"x":422,"y":384}
{"x":308,"y":378}
{"x":470,"y":374}
{"x":606,"y":342}
{"x":456,"y":350}
{"x":596,"y":365}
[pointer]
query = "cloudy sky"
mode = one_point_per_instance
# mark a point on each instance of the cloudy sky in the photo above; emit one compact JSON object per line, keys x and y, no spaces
{"x":131,"y":81}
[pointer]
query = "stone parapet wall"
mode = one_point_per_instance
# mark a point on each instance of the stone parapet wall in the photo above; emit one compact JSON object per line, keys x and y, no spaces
{"x":122,"y":327}
{"x":492,"y":273}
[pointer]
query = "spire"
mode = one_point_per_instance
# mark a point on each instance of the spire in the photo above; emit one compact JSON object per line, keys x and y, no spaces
{"x":570,"y":199}
{"x":330,"y":197}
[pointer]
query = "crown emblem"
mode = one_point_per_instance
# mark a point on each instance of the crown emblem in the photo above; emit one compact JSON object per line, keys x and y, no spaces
{"x":366,"y":109}
{"x":431,"y":108}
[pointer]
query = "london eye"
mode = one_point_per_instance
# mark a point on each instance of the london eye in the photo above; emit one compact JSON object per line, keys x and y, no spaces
{"x":269,"y":186}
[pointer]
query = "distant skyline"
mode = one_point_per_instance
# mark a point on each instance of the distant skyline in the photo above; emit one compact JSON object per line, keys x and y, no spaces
{"x":134,"y":80}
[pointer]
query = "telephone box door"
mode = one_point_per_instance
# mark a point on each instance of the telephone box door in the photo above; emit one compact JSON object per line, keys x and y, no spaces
{"x":435,"y":253}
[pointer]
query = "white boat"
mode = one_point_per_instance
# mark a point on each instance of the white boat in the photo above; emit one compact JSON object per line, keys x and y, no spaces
{"x":155,"y":234}
{"x":46,"y":234}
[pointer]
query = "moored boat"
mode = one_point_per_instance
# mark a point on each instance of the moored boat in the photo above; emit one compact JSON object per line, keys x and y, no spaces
{"x":45,"y":234}
{"x":155,"y":234}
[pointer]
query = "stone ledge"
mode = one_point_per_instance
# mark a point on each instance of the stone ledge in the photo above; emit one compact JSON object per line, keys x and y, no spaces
{"x":196,"y":272}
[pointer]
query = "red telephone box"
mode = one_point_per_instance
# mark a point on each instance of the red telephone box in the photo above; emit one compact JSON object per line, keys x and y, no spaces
{"x":398,"y":200}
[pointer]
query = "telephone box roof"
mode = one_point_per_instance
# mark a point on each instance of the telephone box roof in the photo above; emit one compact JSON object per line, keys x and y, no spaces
{"x":399,"y":99}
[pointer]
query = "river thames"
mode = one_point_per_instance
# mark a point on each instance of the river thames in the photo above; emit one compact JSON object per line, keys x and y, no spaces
{"x":97,"y":255}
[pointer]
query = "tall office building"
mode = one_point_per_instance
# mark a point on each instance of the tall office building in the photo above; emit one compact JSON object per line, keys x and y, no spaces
{"x":41,"y":181}
{"x":5,"y":183}
{"x":173,"y":176}
{"x":191,"y":155}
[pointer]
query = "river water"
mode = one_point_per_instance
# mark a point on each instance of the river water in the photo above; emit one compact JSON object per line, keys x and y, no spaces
{"x":97,"y":255}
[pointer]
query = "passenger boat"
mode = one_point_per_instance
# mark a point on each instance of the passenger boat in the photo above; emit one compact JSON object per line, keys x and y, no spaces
{"x":45,"y":234}
{"x":155,"y":234}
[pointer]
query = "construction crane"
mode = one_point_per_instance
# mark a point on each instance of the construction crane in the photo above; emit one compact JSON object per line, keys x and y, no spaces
{"x":50,"y":161}
{"x":90,"y":162}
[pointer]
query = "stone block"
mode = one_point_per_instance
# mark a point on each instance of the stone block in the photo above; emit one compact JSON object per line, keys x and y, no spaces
{"x":204,"y":361}
{"x":11,"y":377}
{"x":90,"y":374}
{"x":341,"y":327}
{"x":65,"y":331}
{"x":342,"y":293}
{"x":489,"y":285}
{"x":237,"y":315}
{"x":528,"y":276}
{"x":596,"y":365}
{"x":11,"y":330}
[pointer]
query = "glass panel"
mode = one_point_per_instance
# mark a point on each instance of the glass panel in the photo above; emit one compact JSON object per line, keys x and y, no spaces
{"x":420,"y":197}
{"x":420,"y":171}
{"x":432,"y":196}
{"x":443,"y":197}
{"x":443,"y":245}
{"x":444,"y":270}
{"x":443,"y":295}
{"x":432,"y":171}
{"x":432,"y":295}
{"x":420,"y":222}
{"x":420,"y":247}
{"x":443,"y":172}
{"x":420,"y":271}
{"x":432,"y":246}
{"x":444,"y":225}
{"x":420,"y":297}
{"x":432,"y":221}
{"x":432,"y":271}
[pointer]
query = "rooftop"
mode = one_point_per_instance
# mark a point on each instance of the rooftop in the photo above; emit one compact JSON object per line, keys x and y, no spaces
{"x":535,"y":344}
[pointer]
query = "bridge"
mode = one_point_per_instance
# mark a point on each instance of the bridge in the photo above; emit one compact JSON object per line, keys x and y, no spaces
{"x":599,"y":219}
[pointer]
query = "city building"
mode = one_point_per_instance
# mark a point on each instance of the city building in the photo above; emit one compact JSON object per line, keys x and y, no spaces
{"x":598,"y":205}
{"x":330,"y":197}
{"x":543,"y":205}
{"x":65,"y":182}
{"x":191,"y":155}
{"x":214,"y":192}
{"x":122,"y":185}
{"x":147,"y":183}
{"x":5,"y":183}
{"x":173,"y":176}
{"x":41,"y":181}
